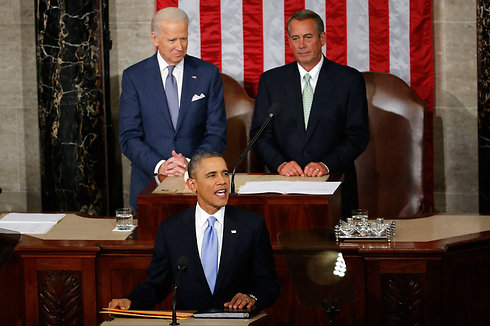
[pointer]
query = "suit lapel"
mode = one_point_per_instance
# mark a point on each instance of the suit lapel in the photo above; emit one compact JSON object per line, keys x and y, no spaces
{"x":231,"y":233}
{"x":323,"y":89}
{"x":189,"y":83}
{"x":295,"y":98}
{"x":189,"y":232}
{"x":155,"y":87}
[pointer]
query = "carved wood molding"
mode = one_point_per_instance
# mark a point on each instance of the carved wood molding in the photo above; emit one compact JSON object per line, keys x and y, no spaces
{"x":402,"y":299}
{"x":60,"y":298}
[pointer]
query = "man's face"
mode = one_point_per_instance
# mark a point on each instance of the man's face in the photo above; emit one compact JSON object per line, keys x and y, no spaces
{"x":171,"y":41}
{"x":305,"y":42}
{"x":211,"y":184}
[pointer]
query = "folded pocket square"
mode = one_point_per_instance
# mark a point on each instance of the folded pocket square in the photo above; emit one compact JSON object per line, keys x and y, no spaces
{"x":197,"y":97}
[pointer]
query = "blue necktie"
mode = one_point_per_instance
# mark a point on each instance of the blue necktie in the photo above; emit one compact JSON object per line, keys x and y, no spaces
{"x":209,"y":254}
{"x":172,"y":96}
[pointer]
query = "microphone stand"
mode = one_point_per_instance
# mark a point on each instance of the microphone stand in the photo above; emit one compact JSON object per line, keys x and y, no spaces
{"x":247,"y":149}
{"x":180,"y":269}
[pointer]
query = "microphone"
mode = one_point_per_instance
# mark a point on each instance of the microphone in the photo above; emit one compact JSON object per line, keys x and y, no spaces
{"x":274,"y":110}
{"x":182,"y":263}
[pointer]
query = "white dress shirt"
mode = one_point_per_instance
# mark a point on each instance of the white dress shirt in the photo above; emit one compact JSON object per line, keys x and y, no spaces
{"x":202,"y":224}
{"x":313,"y":73}
{"x":178,"y":73}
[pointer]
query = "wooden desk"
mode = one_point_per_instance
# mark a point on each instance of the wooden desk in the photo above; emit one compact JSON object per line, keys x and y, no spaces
{"x":260,"y":319}
{"x":281,"y":212}
{"x":442,"y":278}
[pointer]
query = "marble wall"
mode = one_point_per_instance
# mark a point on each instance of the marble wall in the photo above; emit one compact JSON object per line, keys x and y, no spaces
{"x":19,"y":131}
{"x":455,"y":120}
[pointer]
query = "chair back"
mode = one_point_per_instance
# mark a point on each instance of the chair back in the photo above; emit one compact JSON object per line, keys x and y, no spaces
{"x":239,"y":113}
{"x":390,"y":170}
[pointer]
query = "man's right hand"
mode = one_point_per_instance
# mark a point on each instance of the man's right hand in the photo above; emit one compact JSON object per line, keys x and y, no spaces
{"x":122,"y":304}
{"x":174,"y":166}
{"x":290,"y":169}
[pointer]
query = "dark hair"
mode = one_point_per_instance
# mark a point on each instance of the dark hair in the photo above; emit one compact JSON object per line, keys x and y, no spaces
{"x":307,"y":14}
{"x":196,"y":159}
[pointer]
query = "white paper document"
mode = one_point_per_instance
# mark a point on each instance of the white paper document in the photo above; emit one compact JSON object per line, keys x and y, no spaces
{"x":27,"y":223}
{"x":289,"y":187}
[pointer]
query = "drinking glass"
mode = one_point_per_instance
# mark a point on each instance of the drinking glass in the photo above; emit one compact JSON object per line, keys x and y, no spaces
{"x":124,"y":218}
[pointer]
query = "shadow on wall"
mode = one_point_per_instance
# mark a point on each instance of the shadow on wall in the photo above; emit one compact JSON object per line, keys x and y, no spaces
{"x":455,"y":152}
{"x":439,"y":161}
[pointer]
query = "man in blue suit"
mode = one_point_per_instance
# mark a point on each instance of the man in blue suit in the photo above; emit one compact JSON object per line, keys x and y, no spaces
{"x":323,"y":124}
{"x":242,"y":274}
{"x":171,"y":106}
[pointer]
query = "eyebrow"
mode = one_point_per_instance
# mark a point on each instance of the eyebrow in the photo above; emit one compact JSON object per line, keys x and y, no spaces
{"x":212,"y":172}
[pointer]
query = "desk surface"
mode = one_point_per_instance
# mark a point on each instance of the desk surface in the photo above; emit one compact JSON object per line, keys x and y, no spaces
{"x":76,"y":227}
{"x":436,"y":227}
{"x":121,"y":321}
{"x":439,"y":227}
{"x":177,"y":185}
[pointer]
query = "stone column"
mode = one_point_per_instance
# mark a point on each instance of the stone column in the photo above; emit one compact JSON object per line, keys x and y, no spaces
{"x":483,"y":30}
{"x":72,"y":112}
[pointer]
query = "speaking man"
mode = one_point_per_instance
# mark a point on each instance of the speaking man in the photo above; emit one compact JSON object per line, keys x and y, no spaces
{"x":171,"y":105}
{"x":229,"y":252}
{"x":323,"y":124}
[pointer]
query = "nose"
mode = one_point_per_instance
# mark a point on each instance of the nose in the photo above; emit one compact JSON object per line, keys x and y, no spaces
{"x":222,"y":179}
{"x":301,"y":43}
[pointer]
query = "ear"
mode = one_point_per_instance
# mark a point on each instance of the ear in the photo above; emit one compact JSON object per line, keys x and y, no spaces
{"x":191,"y":183}
{"x":154,"y":38}
{"x":323,"y":38}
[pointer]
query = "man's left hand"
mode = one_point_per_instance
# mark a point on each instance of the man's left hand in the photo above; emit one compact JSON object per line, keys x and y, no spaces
{"x":240,"y":301}
{"x":315,"y":169}
{"x":176,"y":165}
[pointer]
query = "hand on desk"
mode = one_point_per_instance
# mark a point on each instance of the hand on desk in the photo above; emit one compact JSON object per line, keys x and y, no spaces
{"x":313,"y":169}
{"x":123,"y":304}
{"x":316,"y":169}
{"x":240,"y":301}
{"x":290,"y":169}
{"x":174,"y":166}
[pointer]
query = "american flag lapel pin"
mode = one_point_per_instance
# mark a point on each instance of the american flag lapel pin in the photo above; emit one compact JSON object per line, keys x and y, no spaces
{"x":194,"y":77}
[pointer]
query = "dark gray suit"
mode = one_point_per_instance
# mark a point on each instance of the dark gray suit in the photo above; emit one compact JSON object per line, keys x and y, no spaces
{"x":246,"y":263}
{"x":338,"y":127}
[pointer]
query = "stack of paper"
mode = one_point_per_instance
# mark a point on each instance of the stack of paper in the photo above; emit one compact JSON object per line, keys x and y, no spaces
{"x":27,"y":223}
{"x":147,"y":313}
{"x":289,"y":187}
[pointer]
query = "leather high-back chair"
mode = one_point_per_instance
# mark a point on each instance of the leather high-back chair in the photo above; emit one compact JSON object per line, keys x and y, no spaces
{"x":239,"y":113}
{"x":390,"y":171}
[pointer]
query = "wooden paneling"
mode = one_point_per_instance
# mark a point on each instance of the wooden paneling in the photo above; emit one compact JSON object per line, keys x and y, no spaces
{"x":442,"y":282}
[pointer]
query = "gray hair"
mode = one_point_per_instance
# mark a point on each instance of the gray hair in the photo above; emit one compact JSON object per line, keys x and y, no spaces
{"x":171,"y":14}
{"x":307,"y":14}
{"x":196,"y":159}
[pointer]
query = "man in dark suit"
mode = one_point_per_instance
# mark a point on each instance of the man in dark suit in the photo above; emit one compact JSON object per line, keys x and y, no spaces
{"x":171,"y":106}
{"x":322,"y":126}
{"x":246,"y":275}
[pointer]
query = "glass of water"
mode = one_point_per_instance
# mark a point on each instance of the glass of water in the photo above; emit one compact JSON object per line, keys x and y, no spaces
{"x":124,"y":218}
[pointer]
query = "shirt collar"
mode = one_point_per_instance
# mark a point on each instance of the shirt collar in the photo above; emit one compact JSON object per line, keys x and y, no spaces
{"x":162,"y":64}
{"x":313,"y":72}
{"x":202,"y":216}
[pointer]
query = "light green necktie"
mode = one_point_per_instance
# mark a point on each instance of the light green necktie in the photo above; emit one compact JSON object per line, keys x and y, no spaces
{"x":307,"y":98}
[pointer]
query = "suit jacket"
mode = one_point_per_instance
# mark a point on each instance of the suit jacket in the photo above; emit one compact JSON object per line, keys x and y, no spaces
{"x":146,"y":133}
{"x":246,"y":263}
{"x":338,"y":127}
